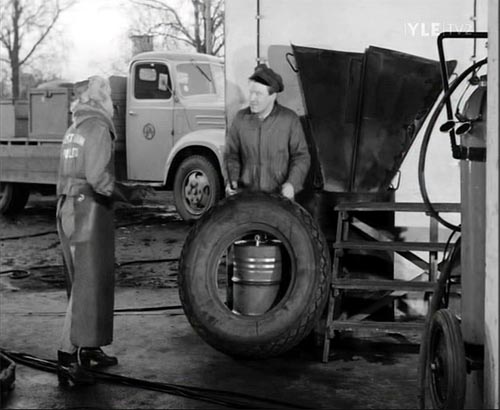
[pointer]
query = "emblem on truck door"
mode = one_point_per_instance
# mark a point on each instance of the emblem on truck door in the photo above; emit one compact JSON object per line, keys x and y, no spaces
{"x":149,"y":131}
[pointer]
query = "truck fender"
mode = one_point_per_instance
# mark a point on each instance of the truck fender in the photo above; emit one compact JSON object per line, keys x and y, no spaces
{"x":213,"y":139}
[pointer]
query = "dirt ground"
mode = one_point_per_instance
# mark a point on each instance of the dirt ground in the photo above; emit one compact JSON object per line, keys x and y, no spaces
{"x":162,"y":345}
{"x":148,"y":242}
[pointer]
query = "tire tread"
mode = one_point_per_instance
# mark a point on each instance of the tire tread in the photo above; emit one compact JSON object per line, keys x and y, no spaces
{"x":290,"y":337}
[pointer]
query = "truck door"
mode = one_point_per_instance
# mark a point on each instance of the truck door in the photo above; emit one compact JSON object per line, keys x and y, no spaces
{"x":150,"y":106}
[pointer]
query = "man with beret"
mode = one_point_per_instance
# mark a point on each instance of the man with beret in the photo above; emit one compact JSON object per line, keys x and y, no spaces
{"x":266,"y":149}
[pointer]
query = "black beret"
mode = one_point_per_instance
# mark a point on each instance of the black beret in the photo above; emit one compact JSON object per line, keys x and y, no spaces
{"x":264,"y":75}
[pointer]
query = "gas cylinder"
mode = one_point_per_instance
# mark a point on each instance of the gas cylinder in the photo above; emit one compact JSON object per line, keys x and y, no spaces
{"x":256,"y":276}
{"x":473,"y":199}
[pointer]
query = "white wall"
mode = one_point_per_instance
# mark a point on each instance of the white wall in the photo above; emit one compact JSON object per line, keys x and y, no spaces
{"x":405,"y":25}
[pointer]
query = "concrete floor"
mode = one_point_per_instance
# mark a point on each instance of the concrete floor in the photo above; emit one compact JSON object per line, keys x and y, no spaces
{"x":162,"y":346}
{"x":364,"y":372}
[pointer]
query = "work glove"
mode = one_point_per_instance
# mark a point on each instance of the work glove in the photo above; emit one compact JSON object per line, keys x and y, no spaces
{"x":287,"y":190}
{"x":231,"y":188}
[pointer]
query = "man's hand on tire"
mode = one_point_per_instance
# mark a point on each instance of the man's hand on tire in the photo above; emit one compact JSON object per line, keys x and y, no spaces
{"x":231,"y":188}
{"x":287,"y":190}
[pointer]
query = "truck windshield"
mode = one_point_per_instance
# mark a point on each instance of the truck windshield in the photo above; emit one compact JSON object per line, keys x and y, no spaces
{"x":199,"y":79}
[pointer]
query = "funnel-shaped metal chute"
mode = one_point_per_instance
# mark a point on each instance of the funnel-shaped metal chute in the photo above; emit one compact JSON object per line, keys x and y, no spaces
{"x":365,"y":111}
{"x":331,"y":84}
{"x":398,"y":92}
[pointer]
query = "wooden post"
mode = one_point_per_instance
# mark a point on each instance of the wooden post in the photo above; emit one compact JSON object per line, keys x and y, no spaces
{"x":491,"y":360}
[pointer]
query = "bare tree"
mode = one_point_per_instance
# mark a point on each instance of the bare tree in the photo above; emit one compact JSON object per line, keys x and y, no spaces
{"x":25,"y":25}
{"x":200,"y":26}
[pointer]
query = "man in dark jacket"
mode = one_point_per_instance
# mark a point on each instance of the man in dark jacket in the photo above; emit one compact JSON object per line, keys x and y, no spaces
{"x":85,"y":222}
{"x":265,"y":148}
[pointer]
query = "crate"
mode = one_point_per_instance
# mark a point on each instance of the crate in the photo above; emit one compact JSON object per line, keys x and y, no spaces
{"x":14,"y":119}
{"x":8,"y":119}
{"x":49,"y":113}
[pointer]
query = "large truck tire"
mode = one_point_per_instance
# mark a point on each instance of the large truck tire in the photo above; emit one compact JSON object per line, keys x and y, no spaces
{"x":300,"y":305}
{"x":197,"y":187}
{"x":13,"y":197}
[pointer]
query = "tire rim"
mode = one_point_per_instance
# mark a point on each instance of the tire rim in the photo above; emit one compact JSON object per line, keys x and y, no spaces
{"x":438,"y":363}
{"x":197,"y":192}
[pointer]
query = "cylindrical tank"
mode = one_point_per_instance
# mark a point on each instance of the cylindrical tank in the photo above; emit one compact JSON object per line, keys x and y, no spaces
{"x":473,"y":198}
{"x":473,"y":182}
{"x":256,"y":277}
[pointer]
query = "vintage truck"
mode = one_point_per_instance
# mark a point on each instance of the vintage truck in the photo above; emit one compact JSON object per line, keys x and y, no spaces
{"x":169,"y":118}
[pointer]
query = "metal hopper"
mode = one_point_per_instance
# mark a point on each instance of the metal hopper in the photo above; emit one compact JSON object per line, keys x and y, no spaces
{"x":364,"y":111}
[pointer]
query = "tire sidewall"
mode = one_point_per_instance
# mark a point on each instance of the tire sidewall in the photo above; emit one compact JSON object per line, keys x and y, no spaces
{"x":210,"y":317}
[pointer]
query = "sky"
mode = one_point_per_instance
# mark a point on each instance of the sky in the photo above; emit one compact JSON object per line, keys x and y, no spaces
{"x":96,"y":32}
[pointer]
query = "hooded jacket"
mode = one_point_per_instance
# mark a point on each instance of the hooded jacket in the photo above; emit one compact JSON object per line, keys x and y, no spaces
{"x":87,"y":155}
{"x":263,"y":155}
{"x":87,"y":152}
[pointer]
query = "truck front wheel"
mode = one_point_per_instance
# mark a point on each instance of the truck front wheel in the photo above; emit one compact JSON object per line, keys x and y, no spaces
{"x":197,"y":187}
{"x":13,"y":197}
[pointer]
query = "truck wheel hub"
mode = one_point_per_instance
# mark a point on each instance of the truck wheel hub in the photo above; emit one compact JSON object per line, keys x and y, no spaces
{"x":196,"y":189}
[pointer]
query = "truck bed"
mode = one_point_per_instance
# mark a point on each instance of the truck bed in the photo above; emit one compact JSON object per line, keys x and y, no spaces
{"x":25,"y":161}
{"x":31,"y":135}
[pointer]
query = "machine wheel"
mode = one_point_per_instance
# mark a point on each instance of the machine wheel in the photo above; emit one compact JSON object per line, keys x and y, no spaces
{"x":446,"y":368}
{"x":302,"y":295}
{"x":197,"y":187}
{"x":13,"y":197}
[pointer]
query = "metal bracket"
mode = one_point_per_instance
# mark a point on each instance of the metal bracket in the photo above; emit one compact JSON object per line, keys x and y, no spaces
{"x":470,"y":153}
{"x":287,"y":57}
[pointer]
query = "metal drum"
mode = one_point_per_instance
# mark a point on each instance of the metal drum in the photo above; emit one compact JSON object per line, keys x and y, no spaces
{"x":256,"y":276}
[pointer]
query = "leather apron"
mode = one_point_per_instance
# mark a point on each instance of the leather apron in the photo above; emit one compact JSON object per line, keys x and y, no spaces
{"x":64,"y":215}
{"x":91,"y":267}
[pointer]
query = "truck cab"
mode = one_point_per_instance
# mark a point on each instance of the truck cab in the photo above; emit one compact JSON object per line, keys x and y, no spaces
{"x":169,"y":120}
{"x":172,"y":99}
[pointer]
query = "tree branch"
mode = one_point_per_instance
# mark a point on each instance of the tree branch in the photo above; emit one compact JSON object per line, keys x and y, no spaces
{"x":216,"y":23}
{"x":5,"y":38}
{"x":175,"y":27}
{"x":42,"y":37}
{"x":217,"y":48}
{"x":168,"y":10}
{"x":183,"y":39}
{"x":217,"y":10}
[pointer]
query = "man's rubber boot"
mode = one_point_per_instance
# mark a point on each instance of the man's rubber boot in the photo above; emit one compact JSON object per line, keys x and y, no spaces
{"x":70,"y":373}
{"x":95,"y":358}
